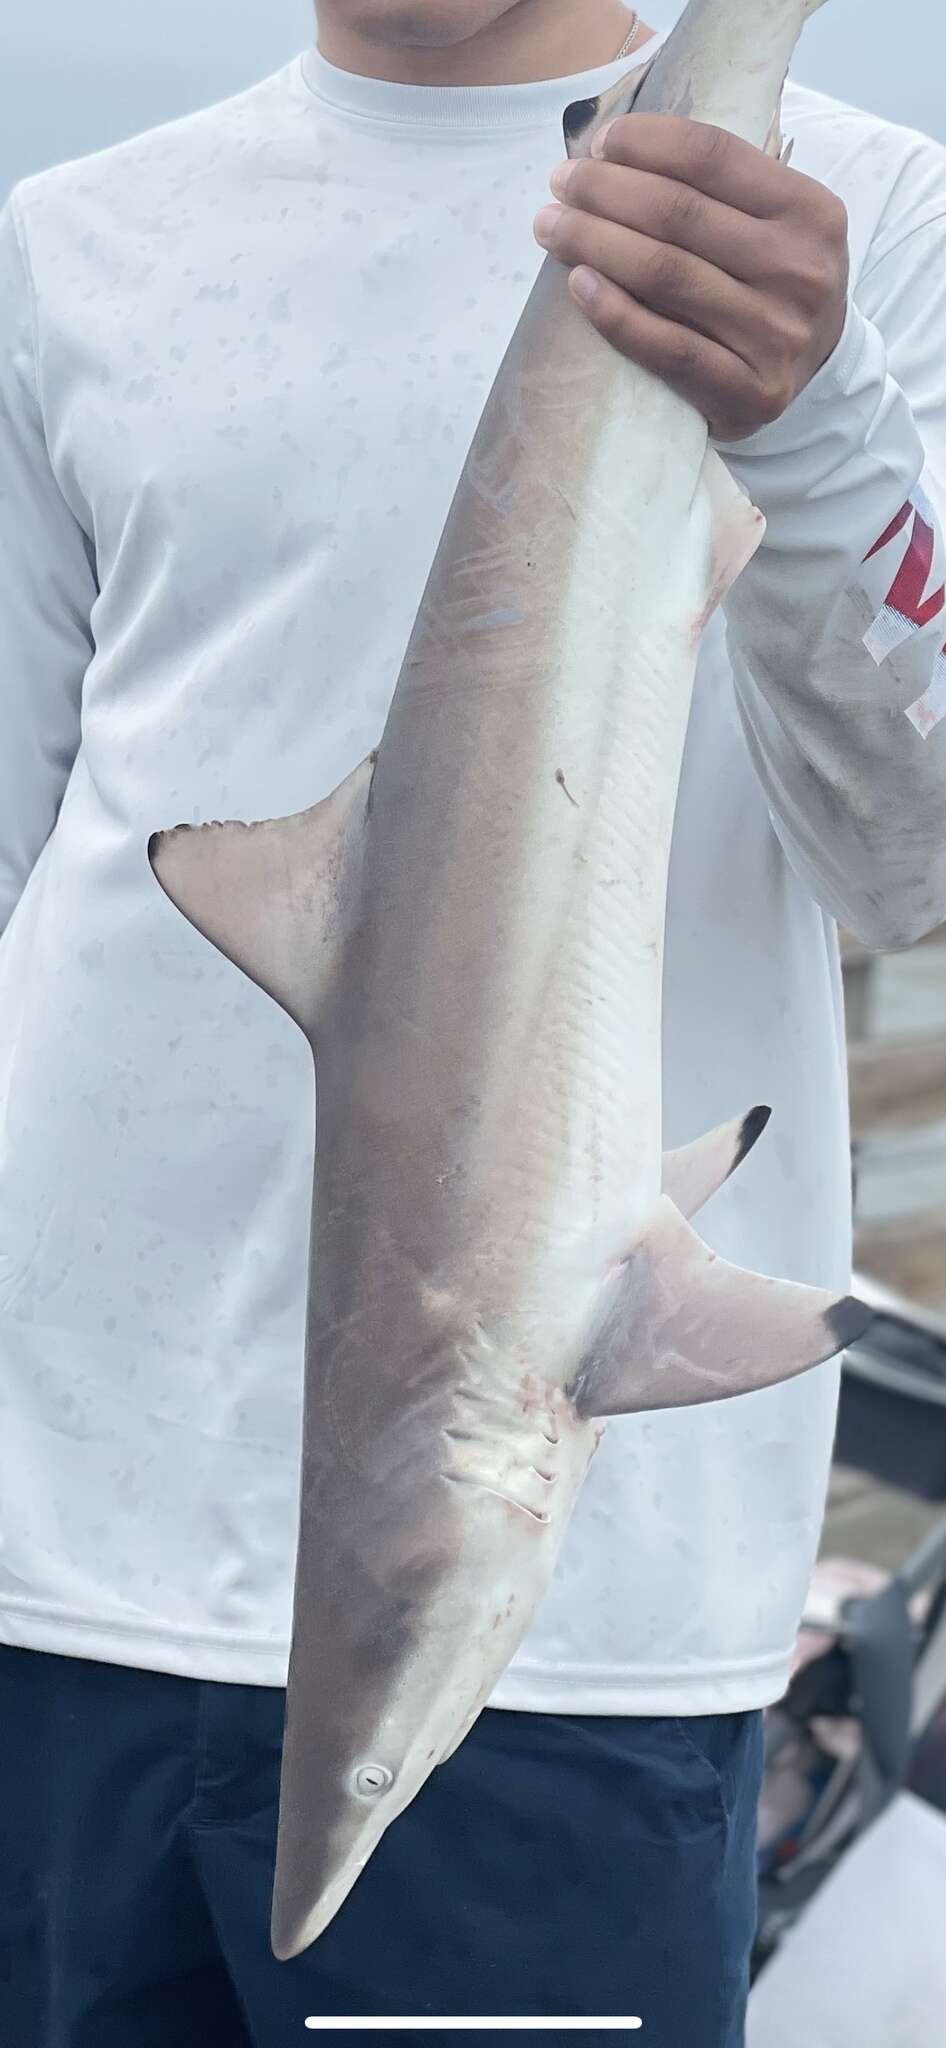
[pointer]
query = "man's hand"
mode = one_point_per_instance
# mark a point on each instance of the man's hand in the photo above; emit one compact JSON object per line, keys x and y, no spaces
{"x":715,"y":266}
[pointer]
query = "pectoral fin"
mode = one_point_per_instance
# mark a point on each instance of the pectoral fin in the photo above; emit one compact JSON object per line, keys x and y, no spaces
{"x":695,"y":1172}
{"x":684,"y":1327}
{"x":273,"y":896}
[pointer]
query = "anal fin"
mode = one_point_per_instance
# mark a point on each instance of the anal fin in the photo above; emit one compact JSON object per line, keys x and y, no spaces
{"x":272,"y":897}
{"x":685,"y":1327}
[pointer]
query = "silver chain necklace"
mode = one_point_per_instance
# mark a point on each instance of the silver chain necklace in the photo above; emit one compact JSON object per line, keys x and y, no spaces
{"x":624,"y":50}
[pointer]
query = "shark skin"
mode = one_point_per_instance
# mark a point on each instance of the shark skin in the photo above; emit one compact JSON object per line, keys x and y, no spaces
{"x":470,"y":933}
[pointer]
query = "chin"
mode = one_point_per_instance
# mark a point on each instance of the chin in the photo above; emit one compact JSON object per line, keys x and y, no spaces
{"x":421,"y":24}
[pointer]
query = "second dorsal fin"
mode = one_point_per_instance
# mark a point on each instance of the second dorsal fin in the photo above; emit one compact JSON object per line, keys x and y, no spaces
{"x":695,"y":1172}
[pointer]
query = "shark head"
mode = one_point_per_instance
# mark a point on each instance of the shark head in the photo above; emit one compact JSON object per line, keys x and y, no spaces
{"x":322,"y":1854}
{"x":346,"y":1787}
{"x":413,"y":1596}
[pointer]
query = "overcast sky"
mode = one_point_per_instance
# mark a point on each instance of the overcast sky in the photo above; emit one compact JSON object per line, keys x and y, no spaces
{"x":77,"y":74}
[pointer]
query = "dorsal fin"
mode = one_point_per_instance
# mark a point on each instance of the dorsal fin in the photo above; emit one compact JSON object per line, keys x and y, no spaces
{"x":272,"y":896}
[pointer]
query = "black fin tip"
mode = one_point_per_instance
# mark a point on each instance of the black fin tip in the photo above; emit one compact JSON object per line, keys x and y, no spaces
{"x":848,"y":1320}
{"x":752,"y":1128}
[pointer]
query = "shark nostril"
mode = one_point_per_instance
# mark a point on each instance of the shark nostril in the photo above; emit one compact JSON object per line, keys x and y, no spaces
{"x":371,"y":1779}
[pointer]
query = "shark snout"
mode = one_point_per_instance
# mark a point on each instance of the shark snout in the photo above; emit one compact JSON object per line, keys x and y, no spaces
{"x":317,"y":1866}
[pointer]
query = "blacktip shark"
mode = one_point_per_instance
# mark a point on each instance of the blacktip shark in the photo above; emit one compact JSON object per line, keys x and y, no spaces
{"x":470,"y":933}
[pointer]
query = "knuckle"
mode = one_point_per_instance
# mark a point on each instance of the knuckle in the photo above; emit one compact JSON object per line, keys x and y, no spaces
{"x":668,"y":271}
{"x":711,"y":147}
{"x":687,"y":356}
{"x":738,"y":405}
{"x":791,"y":334}
{"x":819,"y":211}
{"x":835,"y":219}
{"x":793,"y":263}
{"x":683,"y":209}
{"x":774,"y":397}
{"x":812,"y":281}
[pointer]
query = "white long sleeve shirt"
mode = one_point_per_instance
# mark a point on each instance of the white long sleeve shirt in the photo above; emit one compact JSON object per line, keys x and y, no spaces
{"x":243,"y":358}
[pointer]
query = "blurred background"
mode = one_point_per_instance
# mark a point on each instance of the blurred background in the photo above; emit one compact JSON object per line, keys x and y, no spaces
{"x":81,"y":73}
{"x":853,"y":1841}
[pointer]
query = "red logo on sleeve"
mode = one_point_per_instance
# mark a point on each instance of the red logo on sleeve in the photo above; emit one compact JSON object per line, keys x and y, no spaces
{"x":910,"y":605}
{"x":907,"y":608}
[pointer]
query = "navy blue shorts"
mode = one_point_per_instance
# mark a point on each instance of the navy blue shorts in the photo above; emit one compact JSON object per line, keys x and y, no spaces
{"x":556,"y":1866}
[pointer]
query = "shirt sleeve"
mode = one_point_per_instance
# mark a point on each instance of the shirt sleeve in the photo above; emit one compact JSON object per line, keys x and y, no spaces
{"x":836,"y":630}
{"x":47,"y":588}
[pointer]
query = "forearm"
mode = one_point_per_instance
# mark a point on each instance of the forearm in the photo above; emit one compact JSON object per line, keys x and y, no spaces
{"x":837,"y":644}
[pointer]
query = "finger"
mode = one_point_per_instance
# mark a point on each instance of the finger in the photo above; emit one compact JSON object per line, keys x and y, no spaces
{"x":714,"y":162}
{"x":669,"y":281}
{"x":670,"y":212}
{"x":718,"y":383}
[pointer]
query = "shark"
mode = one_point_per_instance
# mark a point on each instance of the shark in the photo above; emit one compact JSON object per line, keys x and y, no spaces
{"x":469,"y":931}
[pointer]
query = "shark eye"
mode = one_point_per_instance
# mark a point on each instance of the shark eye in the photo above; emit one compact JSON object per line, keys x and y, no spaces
{"x":371,"y":1779}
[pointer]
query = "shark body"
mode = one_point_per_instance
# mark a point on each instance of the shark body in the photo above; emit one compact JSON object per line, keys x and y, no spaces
{"x":470,"y":933}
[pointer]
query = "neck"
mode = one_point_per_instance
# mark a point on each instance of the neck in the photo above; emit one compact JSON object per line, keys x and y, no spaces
{"x":415,"y":42}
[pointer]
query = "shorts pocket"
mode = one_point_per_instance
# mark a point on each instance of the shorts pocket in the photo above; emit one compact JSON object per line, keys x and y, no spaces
{"x":729,"y":1747}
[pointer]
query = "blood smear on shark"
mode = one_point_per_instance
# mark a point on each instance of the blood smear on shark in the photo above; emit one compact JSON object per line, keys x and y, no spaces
{"x":908,"y":609}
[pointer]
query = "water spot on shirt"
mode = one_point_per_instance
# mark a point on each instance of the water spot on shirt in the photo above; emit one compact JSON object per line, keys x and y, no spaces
{"x":218,"y":292}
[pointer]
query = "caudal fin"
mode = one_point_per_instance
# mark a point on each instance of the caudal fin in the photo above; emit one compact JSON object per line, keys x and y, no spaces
{"x":685,"y":1327}
{"x":269,"y":896}
{"x":583,"y":119}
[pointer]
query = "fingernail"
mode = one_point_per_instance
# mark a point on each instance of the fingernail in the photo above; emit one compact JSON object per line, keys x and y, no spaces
{"x":545,"y":222}
{"x":584,"y":284}
{"x":560,"y":178}
{"x":598,"y":141}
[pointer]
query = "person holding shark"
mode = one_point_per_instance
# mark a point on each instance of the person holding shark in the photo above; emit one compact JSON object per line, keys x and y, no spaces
{"x":247,"y":355}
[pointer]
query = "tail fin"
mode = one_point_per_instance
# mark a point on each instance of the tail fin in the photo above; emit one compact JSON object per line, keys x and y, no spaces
{"x":269,"y":895}
{"x":684,"y":1327}
{"x":584,"y":118}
